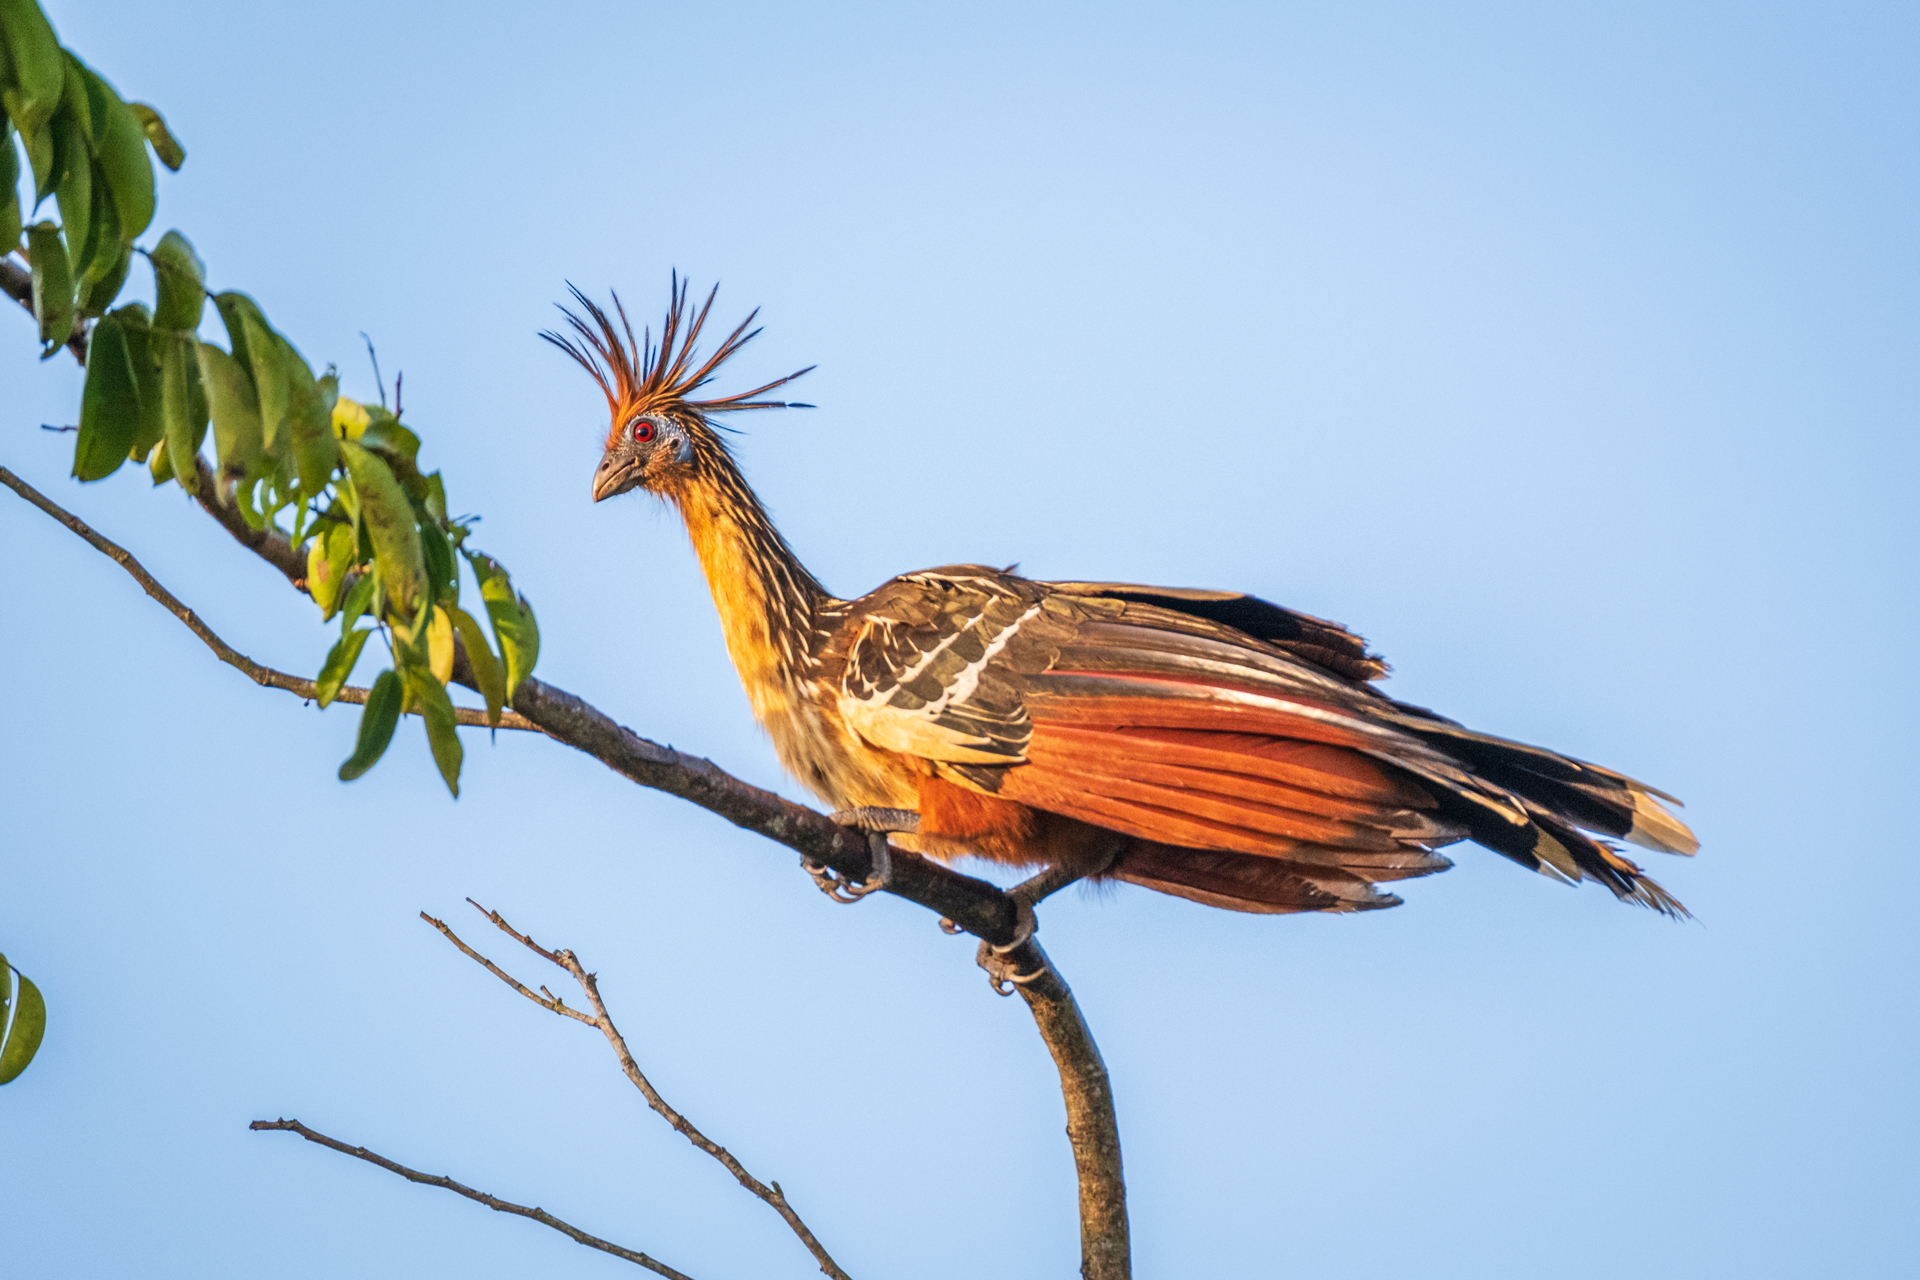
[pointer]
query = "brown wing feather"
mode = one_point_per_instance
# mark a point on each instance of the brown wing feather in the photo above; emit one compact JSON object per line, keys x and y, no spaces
{"x":1245,"y":769}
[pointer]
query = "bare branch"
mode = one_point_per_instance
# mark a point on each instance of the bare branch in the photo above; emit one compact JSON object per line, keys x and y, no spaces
{"x":225,"y":652}
{"x":1092,"y":1127}
{"x":771,"y":1194}
{"x":540,"y":1216}
{"x":549,"y":1001}
{"x":17,"y":283}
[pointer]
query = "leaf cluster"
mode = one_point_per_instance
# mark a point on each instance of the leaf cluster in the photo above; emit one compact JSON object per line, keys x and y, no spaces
{"x":86,"y":148}
{"x":382,"y":555}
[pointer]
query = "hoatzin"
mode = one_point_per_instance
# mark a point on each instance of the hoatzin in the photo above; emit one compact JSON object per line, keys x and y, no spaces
{"x":1206,"y":744}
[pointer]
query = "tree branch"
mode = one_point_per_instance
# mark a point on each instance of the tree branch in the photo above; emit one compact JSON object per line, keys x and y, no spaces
{"x":1106,"y":1251}
{"x":971,"y":905}
{"x":772,"y":1195}
{"x":221,"y":649}
{"x":540,"y":1216}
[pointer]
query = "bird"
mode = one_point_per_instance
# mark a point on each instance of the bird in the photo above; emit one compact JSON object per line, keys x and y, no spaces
{"x":1202,"y":743}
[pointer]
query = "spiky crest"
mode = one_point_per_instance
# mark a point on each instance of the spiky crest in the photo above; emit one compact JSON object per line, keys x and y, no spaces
{"x":640,"y":377}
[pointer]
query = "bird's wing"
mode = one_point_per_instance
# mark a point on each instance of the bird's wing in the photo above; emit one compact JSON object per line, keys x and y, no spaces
{"x":934,"y":662}
{"x":1128,"y":708}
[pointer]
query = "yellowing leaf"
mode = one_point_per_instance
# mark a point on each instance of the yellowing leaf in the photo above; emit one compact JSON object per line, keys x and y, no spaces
{"x":512,"y":617}
{"x":338,"y":666}
{"x":440,"y":645}
{"x":350,"y":419}
{"x":436,"y":709}
{"x":171,"y":153}
{"x":330,"y":558}
{"x":387,"y":516}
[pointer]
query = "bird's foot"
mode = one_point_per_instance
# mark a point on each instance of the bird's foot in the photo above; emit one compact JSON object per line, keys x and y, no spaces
{"x":999,"y":961}
{"x":877,"y":823}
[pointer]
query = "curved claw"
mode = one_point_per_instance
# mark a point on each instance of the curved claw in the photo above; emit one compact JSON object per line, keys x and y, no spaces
{"x":1001,"y":971}
{"x":845,"y":891}
{"x":995,"y":960}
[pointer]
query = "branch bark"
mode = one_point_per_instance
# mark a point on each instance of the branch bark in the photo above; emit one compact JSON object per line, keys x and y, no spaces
{"x":540,"y":1216}
{"x":770,"y":1194}
{"x":972,"y":905}
{"x":1106,"y":1251}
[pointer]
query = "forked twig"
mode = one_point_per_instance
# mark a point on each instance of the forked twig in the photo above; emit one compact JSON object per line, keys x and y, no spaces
{"x":771,"y":1193}
{"x":540,"y":1216}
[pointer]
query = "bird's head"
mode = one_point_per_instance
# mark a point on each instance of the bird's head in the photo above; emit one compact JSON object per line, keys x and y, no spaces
{"x":659,"y":437}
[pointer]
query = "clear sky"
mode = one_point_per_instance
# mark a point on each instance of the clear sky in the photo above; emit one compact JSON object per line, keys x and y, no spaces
{"x":1566,"y":352}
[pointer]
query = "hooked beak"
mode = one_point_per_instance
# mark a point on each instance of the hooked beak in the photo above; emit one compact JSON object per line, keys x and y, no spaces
{"x":614,"y":478}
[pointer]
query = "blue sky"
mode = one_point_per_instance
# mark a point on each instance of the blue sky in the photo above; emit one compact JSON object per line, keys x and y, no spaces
{"x":1566,"y":352}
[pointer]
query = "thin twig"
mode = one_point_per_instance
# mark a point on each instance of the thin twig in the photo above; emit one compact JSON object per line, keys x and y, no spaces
{"x":225,"y":652}
{"x":540,"y":1216}
{"x":771,"y":1194}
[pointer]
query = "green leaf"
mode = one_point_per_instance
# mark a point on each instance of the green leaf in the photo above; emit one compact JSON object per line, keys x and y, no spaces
{"x":255,"y":346}
{"x":330,"y":559}
{"x":38,"y":79}
{"x":244,"y":502}
{"x":143,"y":350}
{"x":436,"y":709}
{"x":309,"y":419}
{"x":10,"y":216}
{"x":387,"y":516}
{"x":235,"y":412}
{"x":109,"y":405}
{"x":119,"y":150}
{"x":101,"y":245}
{"x":376,"y":726}
{"x":29,"y":1025}
{"x":339,"y":666}
{"x":487,"y":671}
{"x":512,"y":617}
{"x":183,"y":411}
{"x":385,"y":435}
{"x":358,"y":601}
{"x":180,"y":283}
{"x":443,"y":571}
{"x":52,"y":286}
{"x":43,"y":159}
{"x":171,"y":153}
{"x":96,"y":295}
{"x":73,"y":172}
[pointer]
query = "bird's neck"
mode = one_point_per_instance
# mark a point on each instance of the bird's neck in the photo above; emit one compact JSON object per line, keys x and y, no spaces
{"x":766,"y":598}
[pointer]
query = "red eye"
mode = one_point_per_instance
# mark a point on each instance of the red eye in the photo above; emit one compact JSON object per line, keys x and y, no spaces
{"x":642,"y":431}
